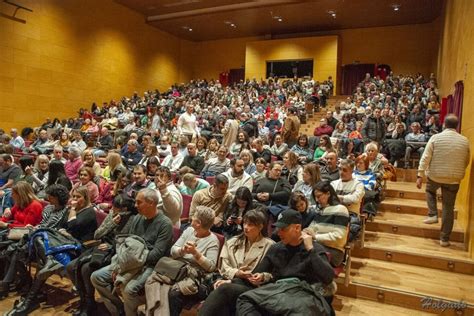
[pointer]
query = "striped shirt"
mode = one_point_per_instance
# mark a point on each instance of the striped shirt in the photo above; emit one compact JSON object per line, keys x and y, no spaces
{"x":53,"y":218}
{"x":331,"y":226}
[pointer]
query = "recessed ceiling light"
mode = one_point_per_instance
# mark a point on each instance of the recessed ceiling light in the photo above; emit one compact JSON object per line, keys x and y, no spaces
{"x":280,"y":20}
{"x":187,"y":28}
{"x":396,"y":7}
{"x":332,"y":13}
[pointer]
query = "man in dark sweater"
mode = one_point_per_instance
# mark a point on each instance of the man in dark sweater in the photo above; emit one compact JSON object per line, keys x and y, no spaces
{"x":156,"y":229}
{"x":192,"y":163}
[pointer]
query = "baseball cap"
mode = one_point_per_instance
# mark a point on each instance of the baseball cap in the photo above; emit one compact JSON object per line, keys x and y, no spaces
{"x":288,"y":217}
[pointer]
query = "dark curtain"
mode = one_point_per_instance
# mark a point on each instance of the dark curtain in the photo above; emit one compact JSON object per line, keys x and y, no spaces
{"x":458,"y":101}
{"x":235,"y":75}
{"x":353,"y":74}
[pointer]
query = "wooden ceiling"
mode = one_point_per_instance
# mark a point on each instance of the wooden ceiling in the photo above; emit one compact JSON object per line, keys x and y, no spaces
{"x":212,"y":19}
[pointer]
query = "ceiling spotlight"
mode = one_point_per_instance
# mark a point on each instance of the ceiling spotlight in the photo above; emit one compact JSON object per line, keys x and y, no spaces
{"x":332,"y":13}
{"x":396,"y":7}
{"x":187,"y":28}
{"x":278,"y":18}
{"x":231,"y":24}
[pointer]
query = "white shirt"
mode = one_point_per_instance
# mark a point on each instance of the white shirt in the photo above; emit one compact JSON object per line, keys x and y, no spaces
{"x":173,"y":162}
{"x":187,"y":124}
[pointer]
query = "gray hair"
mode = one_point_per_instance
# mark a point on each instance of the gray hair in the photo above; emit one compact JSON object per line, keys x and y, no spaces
{"x":205,"y":215}
{"x":74,"y":151}
{"x":150,"y":195}
{"x":347,"y":162}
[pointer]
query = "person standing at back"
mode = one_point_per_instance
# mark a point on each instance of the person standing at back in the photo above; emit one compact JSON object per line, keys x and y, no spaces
{"x":443,"y":174}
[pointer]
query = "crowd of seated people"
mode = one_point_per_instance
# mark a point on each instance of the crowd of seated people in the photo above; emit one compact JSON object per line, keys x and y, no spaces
{"x":178,"y":170}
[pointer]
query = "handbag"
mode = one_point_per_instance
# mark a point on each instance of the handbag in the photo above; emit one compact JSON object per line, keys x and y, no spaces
{"x":175,"y":270}
{"x":17,"y":233}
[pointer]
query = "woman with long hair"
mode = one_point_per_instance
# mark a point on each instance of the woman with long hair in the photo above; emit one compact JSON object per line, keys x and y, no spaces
{"x":247,"y":157}
{"x":152,"y":167}
{"x":242,"y":142}
{"x":201,"y":146}
{"x":325,"y":146}
{"x":292,"y":171}
{"x":114,"y":162}
{"x":39,"y":174}
{"x":311,"y":176}
{"x":242,"y":202}
{"x":302,"y":149}
{"x":57,"y":175}
{"x":330,"y":225}
{"x":26,"y":208}
{"x":150,"y":151}
{"x":88,"y":160}
{"x":239,"y":256}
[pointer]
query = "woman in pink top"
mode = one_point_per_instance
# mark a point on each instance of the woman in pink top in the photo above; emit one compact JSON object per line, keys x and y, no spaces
{"x":73,"y":164}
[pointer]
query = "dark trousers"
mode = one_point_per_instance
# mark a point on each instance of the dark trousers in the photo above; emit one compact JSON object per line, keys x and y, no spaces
{"x":222,"y":301}
{"x":448,"y":192}
{"x":178,"y":301}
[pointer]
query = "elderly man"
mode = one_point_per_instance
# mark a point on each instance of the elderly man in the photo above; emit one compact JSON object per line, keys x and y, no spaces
{"x":132,"y":157}
{"x":164,"y":149}
{"x":106,"y":142}
{"x":218,"y":164}
{"x":78,"y":142}
{"x":156,"y":229}
{"x":444,"y":174}
{"x":216,"y":197}
{"x":238,"y":177}
{"x":415,"y":141}
{"x":192,"y":162}
{"x":73,"y":164}
{"x":323,"y":128}
{"x":330,"y":171}
{"x":171,"y":200}
{"x":349,"y":190}
{"x":17,"y":141}
{"x":173,"y":161}
{"x":39,"y":145}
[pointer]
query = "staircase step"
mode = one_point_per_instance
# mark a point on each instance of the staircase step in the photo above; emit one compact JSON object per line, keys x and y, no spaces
{"x":423,"y":252}
{"x":406,"y":190}
{"x":408,"y":285}
{"x":344,"y":305}
{"x":410,"y":206}
{"x":412,"y":225}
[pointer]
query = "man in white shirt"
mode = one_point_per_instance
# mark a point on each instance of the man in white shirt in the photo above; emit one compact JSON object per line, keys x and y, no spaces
{"x":349,"y":190}
{"x":173,"y":161}
{"x":187,"y":123}
{"x":238,"y":177}
{"x":17,"y":141}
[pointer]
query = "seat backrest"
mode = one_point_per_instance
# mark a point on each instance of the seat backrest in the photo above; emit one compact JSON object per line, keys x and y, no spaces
{"x":211,"y":179}
{"x":221,"y":240}
{"x":99,"y":216}
{"x":186,"y":206}
{"x":176,"y":234}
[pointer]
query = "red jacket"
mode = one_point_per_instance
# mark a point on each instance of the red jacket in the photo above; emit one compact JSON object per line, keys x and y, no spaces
{"x":31,"y":214}
{"x":320,"y":131}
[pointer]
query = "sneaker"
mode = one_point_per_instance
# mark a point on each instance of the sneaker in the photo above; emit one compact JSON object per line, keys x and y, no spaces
{"x":444,"y":243}
{"x":431,"y":220}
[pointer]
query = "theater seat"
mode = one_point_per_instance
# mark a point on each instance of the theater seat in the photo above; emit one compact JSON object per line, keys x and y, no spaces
{"x":186,"y":206}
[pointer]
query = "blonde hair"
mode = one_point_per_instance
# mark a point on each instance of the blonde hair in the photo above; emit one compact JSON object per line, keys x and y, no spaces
{"x":113,"y":160}
{"x":86,"y":152}
{"x":84,"y":192}
{"x":246,"y":152}
{"x":38,"y":159}
{"x":25,"y":192}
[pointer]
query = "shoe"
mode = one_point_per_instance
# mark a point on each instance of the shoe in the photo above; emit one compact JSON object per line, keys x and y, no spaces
{"x":431,"y":220}
{"x":4,"y":289}
{"x":444,"y":243}
{"x":24,"y":307}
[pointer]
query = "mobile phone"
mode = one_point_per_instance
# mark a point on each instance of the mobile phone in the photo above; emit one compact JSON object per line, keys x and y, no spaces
{"x":234,"y":217}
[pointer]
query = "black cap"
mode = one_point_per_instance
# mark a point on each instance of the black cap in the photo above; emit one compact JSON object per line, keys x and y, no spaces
{"x":288,"y":217}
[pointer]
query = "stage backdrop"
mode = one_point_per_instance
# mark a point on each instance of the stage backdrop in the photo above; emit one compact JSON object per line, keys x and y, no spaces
{"x":323,"y":51}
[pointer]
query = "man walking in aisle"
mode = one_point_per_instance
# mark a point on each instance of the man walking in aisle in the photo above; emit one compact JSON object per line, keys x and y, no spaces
{"x":444,"y":174}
